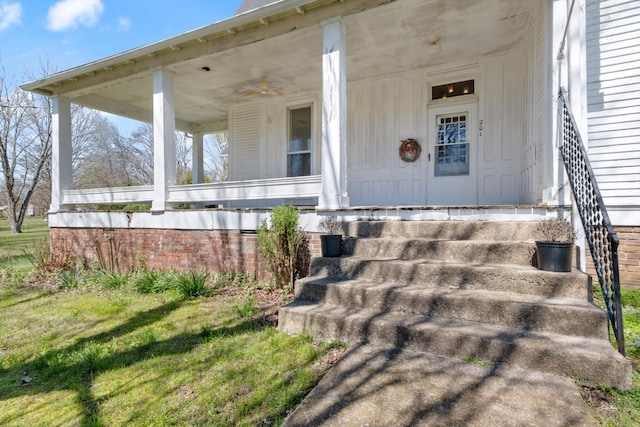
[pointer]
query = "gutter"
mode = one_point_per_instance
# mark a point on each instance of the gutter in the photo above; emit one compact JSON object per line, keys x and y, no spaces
{"x":227,"y":25}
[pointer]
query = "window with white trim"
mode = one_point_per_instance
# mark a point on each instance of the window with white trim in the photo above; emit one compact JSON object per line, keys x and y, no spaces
{"x":299,"y":141}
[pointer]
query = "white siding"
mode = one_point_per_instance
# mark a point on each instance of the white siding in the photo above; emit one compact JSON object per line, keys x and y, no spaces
{"x":276,"y":145}
{"x":504,"y":131}
{"x":613,"y":85}
{"x":537,"y":119}
{"x":380,"y":115}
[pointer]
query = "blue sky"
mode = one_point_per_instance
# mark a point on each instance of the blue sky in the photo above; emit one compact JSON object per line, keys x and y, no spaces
{"x":69,"y":33}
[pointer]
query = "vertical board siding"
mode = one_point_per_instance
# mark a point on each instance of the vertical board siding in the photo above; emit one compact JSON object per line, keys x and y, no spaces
{"x":276,"y":140}
{"x":534,"y":164}
{"x":613,"y":97}
{"x":247,"y":132}
{"x":503,"y":131}
{"x":380,"y":114}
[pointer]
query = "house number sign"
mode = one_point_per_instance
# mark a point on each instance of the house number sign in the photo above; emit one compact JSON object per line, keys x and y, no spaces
{"x":410,"y":150}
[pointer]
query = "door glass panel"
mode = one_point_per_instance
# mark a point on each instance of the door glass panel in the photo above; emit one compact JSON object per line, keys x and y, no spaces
{"x":452,"y":146}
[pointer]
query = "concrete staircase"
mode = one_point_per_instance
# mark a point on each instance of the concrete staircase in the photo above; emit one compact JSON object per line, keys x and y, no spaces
{"x":456,"y":288}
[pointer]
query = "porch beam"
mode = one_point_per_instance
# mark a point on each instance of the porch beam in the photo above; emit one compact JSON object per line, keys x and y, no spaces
{"x":101,"y":103}
{"x":334,"y":117}
{"x":164,"y":145}
{"x":61,"y":153}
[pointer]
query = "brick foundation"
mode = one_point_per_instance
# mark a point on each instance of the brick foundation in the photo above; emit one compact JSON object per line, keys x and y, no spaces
{"x":229,"y":250}
{"x":215,"y":251}
{"x":628,"y":258}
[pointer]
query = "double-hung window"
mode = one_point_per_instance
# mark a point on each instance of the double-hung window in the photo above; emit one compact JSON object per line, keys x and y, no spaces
{"x":299,"y":141}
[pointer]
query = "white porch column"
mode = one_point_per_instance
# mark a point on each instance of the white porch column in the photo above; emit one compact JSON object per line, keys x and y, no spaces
{"x":554,"y":193}
{"x":61,"y":153}
{"x":334,"y":117}
{"x":164,"y":145}
{"x":197,"y":160}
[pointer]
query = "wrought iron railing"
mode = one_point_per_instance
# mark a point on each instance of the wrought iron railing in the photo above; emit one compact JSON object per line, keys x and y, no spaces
{"x":602,"y":239}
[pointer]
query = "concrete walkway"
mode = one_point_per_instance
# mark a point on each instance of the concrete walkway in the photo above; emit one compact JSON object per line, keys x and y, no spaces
{"x":379,"y":387}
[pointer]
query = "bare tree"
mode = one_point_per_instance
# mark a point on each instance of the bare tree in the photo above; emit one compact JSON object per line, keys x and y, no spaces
{"x":26,"y":142}
{"x":184,"y":148}
{"x":25,"y":147}
{"x":216,"y":156}
{"x":141,"y":143}
{"x":108,"y":159}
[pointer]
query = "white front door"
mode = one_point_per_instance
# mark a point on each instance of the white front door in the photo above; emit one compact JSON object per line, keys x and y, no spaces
{"x":452,"y":155}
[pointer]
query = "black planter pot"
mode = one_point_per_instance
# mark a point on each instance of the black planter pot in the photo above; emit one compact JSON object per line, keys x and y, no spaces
{"x":554,"y":256}
{"x":331,"y":245}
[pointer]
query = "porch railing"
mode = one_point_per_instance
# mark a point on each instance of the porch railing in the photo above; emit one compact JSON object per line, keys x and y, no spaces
{"x":305,"y":187}
{"x":100,"y":196}
{"x":602,"y":239}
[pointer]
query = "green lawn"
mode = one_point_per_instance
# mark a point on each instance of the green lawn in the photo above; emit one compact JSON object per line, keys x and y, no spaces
{"x":89,"y":357}
{"x":13,"y":247}
{"x":33,"y":228}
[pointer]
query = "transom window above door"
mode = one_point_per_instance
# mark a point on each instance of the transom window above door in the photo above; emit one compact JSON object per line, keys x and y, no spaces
{"x":451,"y":90}
{"x":299,"y":142}
{"x":452,"y":145}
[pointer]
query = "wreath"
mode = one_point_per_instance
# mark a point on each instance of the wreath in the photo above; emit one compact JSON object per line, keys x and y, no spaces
{"x":410,"y":150}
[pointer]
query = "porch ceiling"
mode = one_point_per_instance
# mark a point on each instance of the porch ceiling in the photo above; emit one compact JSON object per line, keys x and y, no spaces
{"x":381,"y":40}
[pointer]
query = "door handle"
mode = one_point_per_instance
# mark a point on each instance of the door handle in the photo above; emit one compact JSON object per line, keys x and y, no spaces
{"x":429,"y":157}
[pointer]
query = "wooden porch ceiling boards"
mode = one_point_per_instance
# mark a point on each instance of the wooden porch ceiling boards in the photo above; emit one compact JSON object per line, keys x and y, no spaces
{"x":283,"y":43}
{"x":186,"y":48}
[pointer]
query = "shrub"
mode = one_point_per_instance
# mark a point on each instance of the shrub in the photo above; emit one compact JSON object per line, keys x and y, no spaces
{"x":192,"y":284}
{"x":147,"y":282}
{"x":136,"y":207}
{"x":555,"y":230}
{"x":330,"y":225}
{"x":46,"y":261}
{"x":110,"y":280}
{"x":235,"y":278}
{"x":108,"y":253}
{"x":71,"y":278}
{"x":278,"y":241}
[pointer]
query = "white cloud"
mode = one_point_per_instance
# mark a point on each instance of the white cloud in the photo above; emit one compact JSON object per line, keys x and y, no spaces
{"x":67,"y":14}
{"x":123,"y":24}
{"x":10,"y":14}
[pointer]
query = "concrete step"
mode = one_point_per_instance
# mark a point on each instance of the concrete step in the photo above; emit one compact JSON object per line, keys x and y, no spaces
{"x":372,"y":386}
{"x":530,"y":313}
{"x":480,"y":251}
{"x":514,"y":278}
{"x":448,"y":230}
{"x":591,"y":359}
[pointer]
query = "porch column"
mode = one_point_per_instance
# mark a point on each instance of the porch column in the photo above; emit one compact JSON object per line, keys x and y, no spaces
{"x":334,"y":117}
{"x":61,"y":153}
{"x":164,"y":145}
{"x":197,"y":159}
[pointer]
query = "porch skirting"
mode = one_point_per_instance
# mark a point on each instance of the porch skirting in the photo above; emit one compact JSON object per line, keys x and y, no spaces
{"x":215,"y":251}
